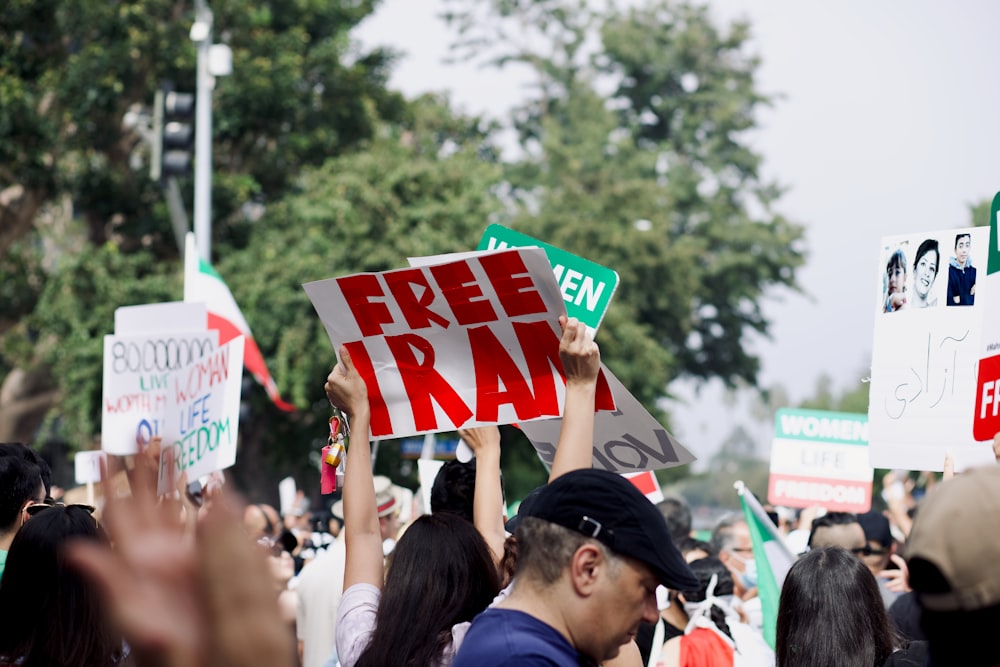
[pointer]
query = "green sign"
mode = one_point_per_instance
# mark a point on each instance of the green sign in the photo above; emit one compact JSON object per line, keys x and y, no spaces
{"x":993,"y":264}
{"x":845,"y":428}
{"x":586,"y":287}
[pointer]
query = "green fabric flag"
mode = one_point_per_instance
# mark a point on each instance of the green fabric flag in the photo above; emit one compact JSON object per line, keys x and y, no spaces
{"x":772,"y":556}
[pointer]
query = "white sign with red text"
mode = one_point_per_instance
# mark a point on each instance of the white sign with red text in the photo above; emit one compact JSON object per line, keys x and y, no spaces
{"x":820,"y":458}
{"x":136,"y":388}
{"x":462,"y":343}
{"x":202,"y":418}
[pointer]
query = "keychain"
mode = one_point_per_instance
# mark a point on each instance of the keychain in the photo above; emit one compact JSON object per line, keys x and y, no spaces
{"x":335,"y":452}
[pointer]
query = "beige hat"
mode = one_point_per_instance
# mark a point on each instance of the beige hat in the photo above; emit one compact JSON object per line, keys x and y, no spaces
{"x":387,"y":497}
{"x":954,"y":548}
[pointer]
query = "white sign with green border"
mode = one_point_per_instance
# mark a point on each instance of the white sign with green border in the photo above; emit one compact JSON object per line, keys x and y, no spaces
{"x":586,"y":287}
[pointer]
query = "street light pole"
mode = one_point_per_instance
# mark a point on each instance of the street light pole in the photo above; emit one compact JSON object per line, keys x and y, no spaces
{"x":201,"y":34}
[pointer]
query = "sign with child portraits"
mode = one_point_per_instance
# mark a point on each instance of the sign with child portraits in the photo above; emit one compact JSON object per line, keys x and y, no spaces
{"x":929,"y":320}
{"x":462,"y":343}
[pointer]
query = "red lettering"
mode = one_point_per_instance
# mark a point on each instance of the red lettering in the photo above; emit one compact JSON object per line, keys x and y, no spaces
{"x":540,"y":345}
{"x":422,"y":383}
{"x":415,"y":308}
{"x":370,"y":315}
{"x":493,"y":365}
{"x":381,"y":422}
{"x":463,"y":293}
{"x":513,"y":284}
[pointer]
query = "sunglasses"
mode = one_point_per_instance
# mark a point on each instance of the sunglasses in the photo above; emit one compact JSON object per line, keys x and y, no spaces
{"x":38,"y":508}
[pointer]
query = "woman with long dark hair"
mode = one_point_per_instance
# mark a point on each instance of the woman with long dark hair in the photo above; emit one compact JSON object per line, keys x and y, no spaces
{"x":440,"y":575}
{"x":831,"y":613}
{"x":50,"y":615}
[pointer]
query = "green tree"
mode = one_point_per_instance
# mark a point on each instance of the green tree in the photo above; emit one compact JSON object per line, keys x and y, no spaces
{"x":654,"y":178}
{"x":72,"y":179}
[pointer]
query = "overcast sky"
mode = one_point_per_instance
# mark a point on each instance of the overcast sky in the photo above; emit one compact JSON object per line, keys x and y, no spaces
{"x":889,"y":123}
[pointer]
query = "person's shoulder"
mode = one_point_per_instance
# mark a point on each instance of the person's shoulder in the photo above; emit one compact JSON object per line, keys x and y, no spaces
{"x":506,"y":637}
{"x":916,"y":654}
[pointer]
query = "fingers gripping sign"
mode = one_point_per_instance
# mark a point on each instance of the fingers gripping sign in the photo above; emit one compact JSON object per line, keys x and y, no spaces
{"x":345,"y":387}
{"x":580,"y":356}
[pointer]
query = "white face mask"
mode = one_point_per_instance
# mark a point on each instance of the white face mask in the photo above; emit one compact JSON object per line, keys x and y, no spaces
{"x":748,"y":578}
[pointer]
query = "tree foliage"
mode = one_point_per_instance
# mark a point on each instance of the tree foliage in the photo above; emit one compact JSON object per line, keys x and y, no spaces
{"x":632,"y":153}
{"x":654,"y":178}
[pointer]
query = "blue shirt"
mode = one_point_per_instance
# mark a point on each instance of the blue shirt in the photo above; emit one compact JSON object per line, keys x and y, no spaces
{"x":505,"y":637}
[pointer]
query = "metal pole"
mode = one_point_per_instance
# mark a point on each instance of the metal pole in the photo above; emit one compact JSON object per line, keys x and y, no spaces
{"x":203,"y":137}
{"x":178,"y":216}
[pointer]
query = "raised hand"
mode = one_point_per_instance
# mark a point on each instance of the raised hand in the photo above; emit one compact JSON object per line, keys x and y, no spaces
{"x":581,"y":358}
{"x":345,"y":388}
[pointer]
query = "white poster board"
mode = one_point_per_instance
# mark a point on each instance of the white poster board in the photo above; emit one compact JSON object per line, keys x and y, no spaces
{"x":820,"y":458}
{"x":463,"y":343}
{"x":202,"y":416}
{"x":137,"y":381}
{"x":87,"y":467}
{"x":928,"y":325}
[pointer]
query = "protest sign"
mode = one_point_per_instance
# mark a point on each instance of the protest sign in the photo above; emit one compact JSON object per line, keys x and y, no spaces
{"x":647,"y":483}
{"x":628,"y":439}
{"x":415,"y":448}
{"x":986,"y":419}
{"x":820,"y":458}
{"x":157,"y":318}
{"x":586,"y":287}
{"x":87,"y":467}
{"x":927,"y":344}
{"x":202,"y":415}
{"x":137,"y":372}
{"x":466,"y":343}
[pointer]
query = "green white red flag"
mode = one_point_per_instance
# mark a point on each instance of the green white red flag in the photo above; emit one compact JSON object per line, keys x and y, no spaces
{"x":772,"y":557}
{"x":203,"y":285}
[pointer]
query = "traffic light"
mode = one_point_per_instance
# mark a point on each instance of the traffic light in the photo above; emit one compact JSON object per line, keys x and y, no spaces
{"x":173,"y":134}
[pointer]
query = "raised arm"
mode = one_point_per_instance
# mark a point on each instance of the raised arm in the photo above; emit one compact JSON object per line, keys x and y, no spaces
{"x":362,"y":537}
{"x":581,"y":360}
{"x":487,"y":507}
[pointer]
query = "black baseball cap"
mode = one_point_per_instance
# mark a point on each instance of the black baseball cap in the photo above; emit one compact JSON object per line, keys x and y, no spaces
{"x":609,"y":508}
{"x":876,"y":527}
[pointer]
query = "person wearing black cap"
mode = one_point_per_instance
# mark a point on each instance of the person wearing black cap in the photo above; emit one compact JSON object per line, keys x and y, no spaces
{"x":592,"y":550}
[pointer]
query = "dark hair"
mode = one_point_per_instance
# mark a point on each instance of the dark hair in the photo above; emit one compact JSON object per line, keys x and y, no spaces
{"x":959,"y":237}
{"x":25,"y":452}
{"x":454,"y":489}
{"x":896,"y":259}
{"x":49,"y":613}
{"x":677,"y":514}
{"x":831,"y":612}
{"x":441,"y":573}
{"x":19,"y":482}
{"x":689,"y":544}
{"x":831,"y":519}
{"x":924,"y":248}
{"x":704,"y":569}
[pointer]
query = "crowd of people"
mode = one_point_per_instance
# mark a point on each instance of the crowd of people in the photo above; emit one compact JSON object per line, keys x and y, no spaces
{"x":588,"y":572}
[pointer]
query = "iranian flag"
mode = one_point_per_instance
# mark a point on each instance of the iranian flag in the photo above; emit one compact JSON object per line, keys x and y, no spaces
{"x":771,"y":555}
{"x":203,"y":285}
